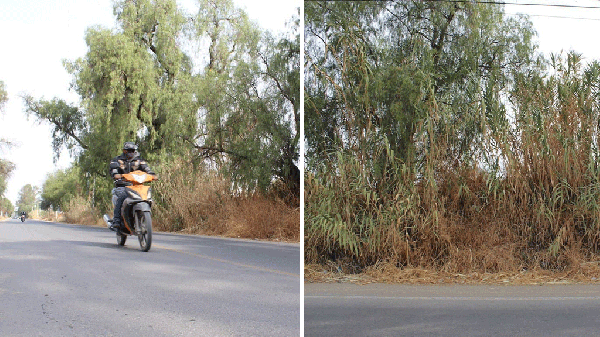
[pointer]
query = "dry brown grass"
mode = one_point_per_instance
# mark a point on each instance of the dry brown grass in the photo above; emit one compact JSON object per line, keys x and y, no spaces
{"x":201,"y":202}
{"x":390,"y":273}
{"x":80,"y":211}
{"x":261,"y":217}
{"x":254,"y":217}
{"x":47,"y":215}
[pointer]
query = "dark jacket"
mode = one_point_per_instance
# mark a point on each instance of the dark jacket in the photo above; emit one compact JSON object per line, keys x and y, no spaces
{"x":122,"y":165}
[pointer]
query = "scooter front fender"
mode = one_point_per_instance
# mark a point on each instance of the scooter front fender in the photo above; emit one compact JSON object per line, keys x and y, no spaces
{"x":141,"y":206}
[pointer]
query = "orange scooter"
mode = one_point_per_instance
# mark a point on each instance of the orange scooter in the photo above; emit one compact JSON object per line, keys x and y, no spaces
{"x":135,"y":212}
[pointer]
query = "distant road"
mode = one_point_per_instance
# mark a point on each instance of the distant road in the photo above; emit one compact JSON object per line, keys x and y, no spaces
{"x":408,"y":310}
{"x":69,"y":280}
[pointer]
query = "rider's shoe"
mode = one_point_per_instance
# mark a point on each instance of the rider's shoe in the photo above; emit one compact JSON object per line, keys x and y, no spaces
{"x":115,"y":225}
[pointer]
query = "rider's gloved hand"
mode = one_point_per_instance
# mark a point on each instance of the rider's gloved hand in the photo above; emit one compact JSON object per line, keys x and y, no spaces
{"x":122,"y":182}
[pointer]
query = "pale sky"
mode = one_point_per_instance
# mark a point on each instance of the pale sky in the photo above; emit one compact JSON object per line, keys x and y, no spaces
{"x":36,"y":36}
{"x":557,"y":30}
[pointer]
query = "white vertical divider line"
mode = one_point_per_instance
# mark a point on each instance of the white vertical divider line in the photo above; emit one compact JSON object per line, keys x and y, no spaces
{"x":302,"y":168}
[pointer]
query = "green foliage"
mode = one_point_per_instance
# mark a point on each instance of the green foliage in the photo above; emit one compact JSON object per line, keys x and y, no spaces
{"x":3,"y":95}
{"x":27,"y":198}
{"x":133,"y":84}
{"x":446,"y":144}
{"x":281,"y":63}
{"x":59,"y":188}
{"x":69,"y":126}
{"x":6,"y":206}
{"x":145,"y":83}
{"x":339,"y":67}
{"x":453,"y":61}
{"x":6,"y":168}
{"x":348,"y":214}
{"x":249,"y":97}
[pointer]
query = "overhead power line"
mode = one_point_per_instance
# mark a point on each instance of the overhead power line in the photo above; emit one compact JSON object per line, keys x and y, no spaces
{"x":555,"y":16}
{"x":515,"y":3}
{"x":474,"y":1}
{"x":494,"y":3}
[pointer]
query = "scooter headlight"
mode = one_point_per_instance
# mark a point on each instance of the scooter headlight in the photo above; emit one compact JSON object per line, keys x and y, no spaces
{"x":140,"y":178}
{"x":149,"y":194}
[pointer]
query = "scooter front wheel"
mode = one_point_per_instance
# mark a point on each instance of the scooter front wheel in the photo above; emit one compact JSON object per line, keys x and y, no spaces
{"x":145,"y":235}
{"x":121,"y":238}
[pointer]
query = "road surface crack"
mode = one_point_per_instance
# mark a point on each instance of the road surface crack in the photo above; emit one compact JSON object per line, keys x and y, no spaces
{"x":46,"y":309}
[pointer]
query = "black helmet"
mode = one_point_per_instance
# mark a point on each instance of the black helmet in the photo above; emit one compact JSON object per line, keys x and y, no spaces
{"x":129,"y":146}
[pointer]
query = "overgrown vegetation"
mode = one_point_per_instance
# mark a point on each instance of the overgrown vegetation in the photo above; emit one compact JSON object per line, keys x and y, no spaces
{"x":6,"y":167}
{"x":200,"y":201}
{"x":449,"y":145}
{"x":207,"y":92}
{"x":27,"y":200}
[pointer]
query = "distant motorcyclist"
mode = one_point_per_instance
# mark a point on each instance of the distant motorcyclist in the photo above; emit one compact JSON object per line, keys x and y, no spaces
{"x":127,"y":162}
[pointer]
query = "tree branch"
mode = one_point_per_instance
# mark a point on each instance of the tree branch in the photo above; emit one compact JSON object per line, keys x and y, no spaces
{"x":209,"y":151}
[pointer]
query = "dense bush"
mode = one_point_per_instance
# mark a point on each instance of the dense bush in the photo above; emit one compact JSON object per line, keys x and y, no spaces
{"x":452,"y":146}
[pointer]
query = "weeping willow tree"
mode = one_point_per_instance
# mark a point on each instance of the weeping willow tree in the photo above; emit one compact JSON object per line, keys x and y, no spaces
{"x":3,"y":95}
{"x":385,"y":70}
{"x":183,"y":84}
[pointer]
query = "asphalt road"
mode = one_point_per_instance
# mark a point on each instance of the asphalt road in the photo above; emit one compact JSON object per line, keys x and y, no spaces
{"x":407,"y":310}
{"x":69,"y":280}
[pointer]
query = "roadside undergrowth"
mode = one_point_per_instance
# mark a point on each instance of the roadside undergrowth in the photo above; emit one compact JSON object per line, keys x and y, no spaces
{"x":389,"y":273}
{"x":521,"y":201}
{"x":203,"y":202}
{"x":200,"y":201}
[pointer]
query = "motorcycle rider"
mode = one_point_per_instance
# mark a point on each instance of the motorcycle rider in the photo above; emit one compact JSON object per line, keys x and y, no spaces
{"x":127,"y":162}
